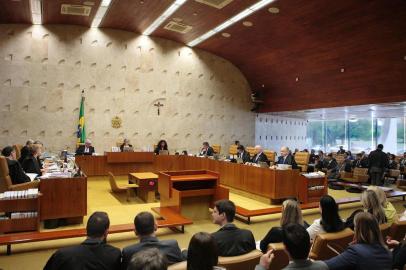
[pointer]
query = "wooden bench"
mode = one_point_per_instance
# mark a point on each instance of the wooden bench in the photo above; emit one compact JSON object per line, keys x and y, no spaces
{"x":245,"y":215}
{"x":170,"y":219}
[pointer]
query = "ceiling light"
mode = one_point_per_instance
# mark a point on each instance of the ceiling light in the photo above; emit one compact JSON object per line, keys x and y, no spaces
{"x":229,"y":22}
{"x":226,"y":35}
{"x":88,"y":3}
{"x":36,"y":11}
{"x":273,"y":10}
{"x":104,"y":6}
{"x":168,"y":12}
{"x":247,"y":23}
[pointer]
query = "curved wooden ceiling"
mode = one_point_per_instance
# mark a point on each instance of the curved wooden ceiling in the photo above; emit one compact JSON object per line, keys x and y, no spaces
{"x":312,"y":54}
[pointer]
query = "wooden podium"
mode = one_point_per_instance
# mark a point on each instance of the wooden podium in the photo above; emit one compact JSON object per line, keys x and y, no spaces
{"x":190,"y":193}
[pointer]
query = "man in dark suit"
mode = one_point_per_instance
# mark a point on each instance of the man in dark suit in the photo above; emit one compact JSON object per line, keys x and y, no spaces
{"x":331,"y":166}
{"x":378,"y":162}
{"x":93,"y":253}
{"x":25,"y":151}
{"x":207,"y":150}
{"x":287,"y":158}
{"x":259,"y":155}
{"x":341,"y":150}
{"x":145,"y":227}
{"x":244,"y":155}
{"x":16,"y":172}
{"x":31,"y":163}
{"x":86,"y":149}
{"x":360,"y":162}
{"x":230,"y":240}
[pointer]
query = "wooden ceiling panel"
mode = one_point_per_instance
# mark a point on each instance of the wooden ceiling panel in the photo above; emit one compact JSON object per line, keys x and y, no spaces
{"x":134,"y":15}
{"x":52,"y":12}
{"x":15,"y":11}
{"x":201,"y":17}
{"x":325,"y":54}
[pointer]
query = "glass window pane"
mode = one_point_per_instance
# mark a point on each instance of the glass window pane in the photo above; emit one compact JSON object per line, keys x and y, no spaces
{"x":315,"y":135}
{"x":360,"y":133}
{"x":387,"y":134}
{"x":335,"y":135}
{"x":401,"y":122}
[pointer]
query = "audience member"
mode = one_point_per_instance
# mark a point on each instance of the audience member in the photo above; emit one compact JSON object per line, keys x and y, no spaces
{"x":145,"y":227}
{"x":15,"y":170}
{"x":393,"y":165}
{"x":30,"y":163}
{"x":291,"y":213}
{"x":25,"y":151}
{"x":230,"y":240}
{"x":259,"y":155}
{"x":402,"y":163}
{"x":86,"y":149}
{"x":312,"y":157}
{"x":202,"y":253}
{"x":148,"y":259}
{"x":378,"y":162}
{"x":398,"y":253}
{"x":389,"y":209}
{"x":347,"y":164}
{"x":341,"y":150}
{"x":161,"y":146}
{"x":330,"y":220}
{"x":368,"y":250}
{"x":93,"y":254}
{"x":331,"y":166}
{"x":206,"y":150}
{"x":287,"y":158}
{"x":243,"y":154}
{"x":360,"y":161}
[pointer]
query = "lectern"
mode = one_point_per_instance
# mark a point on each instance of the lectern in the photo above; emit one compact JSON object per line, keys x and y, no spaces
{"x":190,"y":192}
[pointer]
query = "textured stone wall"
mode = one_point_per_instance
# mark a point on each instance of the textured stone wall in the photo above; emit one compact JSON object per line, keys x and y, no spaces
{"x":44,"y":69}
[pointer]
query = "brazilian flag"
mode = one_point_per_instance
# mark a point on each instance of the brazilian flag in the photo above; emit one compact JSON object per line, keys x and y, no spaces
{"x":81,"y":133}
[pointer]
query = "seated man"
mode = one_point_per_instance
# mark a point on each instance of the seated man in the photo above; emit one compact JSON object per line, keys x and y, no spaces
{"x":296,"y":241}
{"x":402,"y":163}
{"x":145,"y":227}
{"x":86,"y":149}
{"x":341,"y":150}
{"x":331,"y":166}
{"x":150,"y":259}
{"x":25,"y":151}
{"x":244,"y":155}
{"x":230,"y":240}
{"x":287,"y":158}
{"x":16,"y":172}
{"x":126,"y":146}
{"x":207,"y":150}
{"x":93,"y":253}
{"x":312,"y":158}
{"x":259,"y":155}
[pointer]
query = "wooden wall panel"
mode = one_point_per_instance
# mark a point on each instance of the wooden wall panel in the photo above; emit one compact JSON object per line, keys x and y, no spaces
{"x":15,"y":12}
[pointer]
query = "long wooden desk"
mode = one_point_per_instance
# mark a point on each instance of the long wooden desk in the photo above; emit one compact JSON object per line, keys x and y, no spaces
{"x":272,"y":184}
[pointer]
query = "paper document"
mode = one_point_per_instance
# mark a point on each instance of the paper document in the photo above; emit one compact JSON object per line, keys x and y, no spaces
{"x":32,"y":175}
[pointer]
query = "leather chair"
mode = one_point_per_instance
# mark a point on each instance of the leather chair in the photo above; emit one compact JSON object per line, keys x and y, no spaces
{"x":302,"y":160}
{"x":271,"y":155}
{"x":17,"y":148}
{"x":216,"y":148}
{"x":328,"y":245}
{"x":398,"y":230}
{"x":233,"y":150}
{"x":281,"y":259}
{"x":5,"y":180}
{"x":401,"y":184}
{"x":120,"y":189}
{"x":250,"y":150}
{"x":360,"y":175}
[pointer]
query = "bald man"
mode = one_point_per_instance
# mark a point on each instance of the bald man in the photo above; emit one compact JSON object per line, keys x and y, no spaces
{"x":287,"y":158}
{"x":259,"y":155}
{"x":86,"y":149}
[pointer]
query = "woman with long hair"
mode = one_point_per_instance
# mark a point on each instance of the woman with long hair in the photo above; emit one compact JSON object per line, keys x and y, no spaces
{"x":291,"y":213}
{"x":371,"y":203}
{"x":368,"y":250}
{"x":330,"y":220}
{"x":388,"y":208}
{"x":202,"y":253}
{"x":162,"y":145}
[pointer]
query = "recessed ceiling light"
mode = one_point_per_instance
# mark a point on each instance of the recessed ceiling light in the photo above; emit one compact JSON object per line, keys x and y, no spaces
{"x":342,"y":70}
{"x":194,"y":13}
{"x":297,"y":79}
{"x":104,"y":6}
{"x":226,"y":35}
{"x":177,"y":19}
{"x":273,"y":10}
{"x":404,"y":57}
{"x":88,"y":3}
{"x":36,"y":11}
{"x":247,"y":23}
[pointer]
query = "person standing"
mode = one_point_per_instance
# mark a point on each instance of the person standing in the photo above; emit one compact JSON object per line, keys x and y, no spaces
{"x":378,"y":162}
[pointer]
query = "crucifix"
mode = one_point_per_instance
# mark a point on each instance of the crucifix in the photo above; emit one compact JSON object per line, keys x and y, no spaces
{"x":158,"y":105}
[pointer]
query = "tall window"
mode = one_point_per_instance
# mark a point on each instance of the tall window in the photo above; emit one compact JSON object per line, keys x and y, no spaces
{"x":401,"y":140}
{"x":315,"y":135}
{"x":335,"y":135}
{"x":360,"y":135}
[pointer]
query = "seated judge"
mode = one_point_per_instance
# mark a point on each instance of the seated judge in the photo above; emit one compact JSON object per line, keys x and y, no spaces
{"x":161,"y":146}
{"x":207,"y":150}
{"x":16,"y":172}
{"x":126,"y":144}
{"x":145,"y":228}
{"x":86,"y":149}
{"x":287,"y":158}
{"x":94,"y":253}
{"x":243,"y":154}
{"x":25,"y":151}
{"x":30,"y":163}
{"x":259,"y":155}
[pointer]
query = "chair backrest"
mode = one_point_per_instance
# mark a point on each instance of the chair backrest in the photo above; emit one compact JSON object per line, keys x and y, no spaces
{"x":360,"y":174}
{"x":250,"y":150}
{"x":271,"y":155}
{"x":233,"y":149}
{"x":5,"y":180}
{"x":394,"y":173}
{"x":17,"y":148}
{"x":245,"y":261}
{"x":216,"y":148}
{"x":281,"y":259}
{"x":113,"y":183}
{"x":328,"y":245}
{"x":398,"y":230}
{"x":302,"y":158}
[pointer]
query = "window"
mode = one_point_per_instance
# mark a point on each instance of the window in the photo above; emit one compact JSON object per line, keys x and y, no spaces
{"x":335,"y":135}
{"x":315,"y":135}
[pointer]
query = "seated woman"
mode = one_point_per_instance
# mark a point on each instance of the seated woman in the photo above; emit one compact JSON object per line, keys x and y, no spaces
{"x":202,"y":253}
{"x":291,"y":213}
{"x":330,"y":220}
{"x":389,"y":209}
{"x":126,"y":145}
{"x":398,"y":253}
{"x":15,"y":171}
{"x":368,"y":250}
{"x":162,"y":145}
{"x":30,"y":163}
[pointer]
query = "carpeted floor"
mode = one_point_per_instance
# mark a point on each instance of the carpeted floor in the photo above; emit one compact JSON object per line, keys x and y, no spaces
{"x":34,"y":255}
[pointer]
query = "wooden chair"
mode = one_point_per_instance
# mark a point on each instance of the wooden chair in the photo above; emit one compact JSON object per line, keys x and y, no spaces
{"x":360,"y":175}
{"x":116,"y":189}
{"x":17,"y":148}
{"x":393,"y":174}
{"x":398,"y":230}
{"x":233,"y":150}
{"x":302,"y":160}
{"x":281,"y":259}
{"x":216,"y":148}
{"x":5,"y":180}
{"x":271,"y":155}
{"x":328,"y":245}
{"x":401,"y":184}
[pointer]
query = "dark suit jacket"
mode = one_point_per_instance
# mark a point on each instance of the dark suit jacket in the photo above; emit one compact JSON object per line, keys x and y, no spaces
{"x":340,"y":152}
{"x":362,"y":257}
{"x":399,"y":256}
{"x":362,"y":163}
{"x":122,"y":147}
{"x":332,"y":165}
{"x":25,"y":152}
{"x":16,"y":172}
{"x":378,"y":159}
{"x":31,"y":165}
{"x":170,"y":248}
{"x":208,"y":152}
{"x":245,"y":156}
{"x":261,"y":158}
{"x":90,"y":255}
{"x":232,"y":241}
{"x":81,"y":150}
{"x":290,"y":160}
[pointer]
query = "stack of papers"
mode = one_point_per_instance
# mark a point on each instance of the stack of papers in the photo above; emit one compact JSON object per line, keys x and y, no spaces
{"x":19,"y":194}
